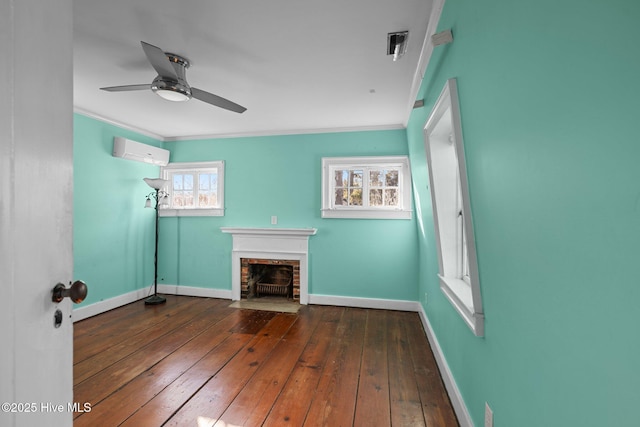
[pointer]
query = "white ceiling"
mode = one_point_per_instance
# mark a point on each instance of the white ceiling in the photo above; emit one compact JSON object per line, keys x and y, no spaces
{"x":296,"y":65}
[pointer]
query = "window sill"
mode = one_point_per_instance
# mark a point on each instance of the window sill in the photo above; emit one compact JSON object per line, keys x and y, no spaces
{"x":190,"y":212}
{"x":365,"y":214}
{"x":458,"y":292}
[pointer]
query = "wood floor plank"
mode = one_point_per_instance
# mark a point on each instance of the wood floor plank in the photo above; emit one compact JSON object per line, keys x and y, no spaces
{"x":335,"y":397}
{"x":162,"y":406}
{"x":254,"y":402}
{"x":173,"y":397}
{"x":115,"y":376}
{"x":218,"y":393}
{"x":406,"y":408}
{"x":88,"y":326}
{"x":372,"y":405}
{"x":128,"y":345}
{"x":289,"y":408}
{"x":137,"y":392}
{"x":192,"y":357}
{"x":436,"y":405}
{"x":90,"y":344}
{"x":121,"y":321}
{"x":254,"y":321}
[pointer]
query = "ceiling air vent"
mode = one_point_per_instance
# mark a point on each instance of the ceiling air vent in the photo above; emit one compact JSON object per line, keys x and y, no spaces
{"x":397,"y":44}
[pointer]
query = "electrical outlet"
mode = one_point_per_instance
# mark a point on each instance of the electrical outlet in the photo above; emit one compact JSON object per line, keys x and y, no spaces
{"x":488,"y":415}
{"x":274,"y":220}
{"x":425,"y":297}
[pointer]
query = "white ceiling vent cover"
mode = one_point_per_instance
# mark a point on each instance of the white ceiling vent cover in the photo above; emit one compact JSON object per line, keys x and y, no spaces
{"x":132,"y":150}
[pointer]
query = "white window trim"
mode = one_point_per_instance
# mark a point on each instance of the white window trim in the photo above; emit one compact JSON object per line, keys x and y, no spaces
{"x":443,"y":128}
{"x":219,"y":211}
{"x":360,"y":212}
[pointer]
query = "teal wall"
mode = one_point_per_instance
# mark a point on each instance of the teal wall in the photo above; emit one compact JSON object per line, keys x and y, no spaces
{"x":280,"y":176}
{"x":549,"y":95}
{"x":265,"y":176}
{"x":112,"y":232}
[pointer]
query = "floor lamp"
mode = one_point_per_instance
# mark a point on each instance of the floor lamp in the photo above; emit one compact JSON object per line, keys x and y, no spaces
{"x":161,"y":197}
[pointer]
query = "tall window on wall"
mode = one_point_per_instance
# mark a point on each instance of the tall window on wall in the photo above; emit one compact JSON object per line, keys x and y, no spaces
{"x":195,"y":189}
{"x":458,"y":268}
{"x":366,"y":187}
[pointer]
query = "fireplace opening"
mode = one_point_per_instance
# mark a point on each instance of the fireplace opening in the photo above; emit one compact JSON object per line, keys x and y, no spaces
{"x":272,"y":279}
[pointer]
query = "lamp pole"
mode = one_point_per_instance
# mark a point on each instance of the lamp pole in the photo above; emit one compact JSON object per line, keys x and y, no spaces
{"x":156,"y":184}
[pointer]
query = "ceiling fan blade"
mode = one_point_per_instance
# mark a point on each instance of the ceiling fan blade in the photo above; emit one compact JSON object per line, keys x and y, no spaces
{"x":145,"y":86}
{"x":216,"y":100}
{"x":159,"y":61}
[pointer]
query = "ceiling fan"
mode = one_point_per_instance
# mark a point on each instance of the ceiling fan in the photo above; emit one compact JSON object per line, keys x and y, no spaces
{"x":171,"y":82}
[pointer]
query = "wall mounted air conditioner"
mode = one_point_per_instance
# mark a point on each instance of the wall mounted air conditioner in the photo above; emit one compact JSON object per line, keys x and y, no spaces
{"x":132,"y":150}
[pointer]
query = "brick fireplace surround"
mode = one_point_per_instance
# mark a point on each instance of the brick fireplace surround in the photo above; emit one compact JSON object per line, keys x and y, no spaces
{"x":283,"y":246}
{"x":244,"y":274}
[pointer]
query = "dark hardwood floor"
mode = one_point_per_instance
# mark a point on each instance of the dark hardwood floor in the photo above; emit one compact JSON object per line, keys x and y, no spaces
{"x":195,"y":360}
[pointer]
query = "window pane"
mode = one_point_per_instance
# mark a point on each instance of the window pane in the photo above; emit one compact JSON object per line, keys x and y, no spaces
{"x":391,"y":197}
{"x":340,"y":178}
{"x":347,"y":189}
{"x":188,"y":198}
{"x":182,"y":193}
{"x":392,"y":178}
{"x":178,"y":199}
{"x":178,"y":193}
{"x":208,"y":181}
{"x":355,"y":178}
{"x":204,"y":181}
{"x":188,"y":182}
{"x":207,"y":199}
{"x":207,"y":190}
{"x":355,"y":197}
{"x":177,"y":182}
{"x":375,"y":197}
{"x":376,"y":178}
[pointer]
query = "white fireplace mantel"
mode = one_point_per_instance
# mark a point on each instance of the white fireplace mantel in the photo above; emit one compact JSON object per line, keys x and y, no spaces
{"x":270,"y":243}
{"x":250,"y":231}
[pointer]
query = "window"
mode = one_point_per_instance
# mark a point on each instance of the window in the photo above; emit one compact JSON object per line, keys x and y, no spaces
{"x":366,"y":187}
{"x":458,"y":269}
{"x":195,"y":189}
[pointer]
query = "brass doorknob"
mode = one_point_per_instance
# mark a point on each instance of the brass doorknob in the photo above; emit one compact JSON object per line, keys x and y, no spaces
{"x":77,"y":292}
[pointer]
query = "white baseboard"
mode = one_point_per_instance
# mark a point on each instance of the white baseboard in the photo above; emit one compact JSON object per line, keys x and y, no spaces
{"x":192,"y":291}
{"x":115,"y":302}
{"x":108,"y":304}
{"x":384,"y":304}
{"x":449,"y":382}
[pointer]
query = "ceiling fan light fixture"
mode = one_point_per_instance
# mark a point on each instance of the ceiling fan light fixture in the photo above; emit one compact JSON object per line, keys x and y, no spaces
{"x":172,"y":95}
{"x":171,"y":90}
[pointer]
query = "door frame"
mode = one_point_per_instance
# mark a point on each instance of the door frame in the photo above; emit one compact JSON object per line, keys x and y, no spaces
{"x":36,"y":204}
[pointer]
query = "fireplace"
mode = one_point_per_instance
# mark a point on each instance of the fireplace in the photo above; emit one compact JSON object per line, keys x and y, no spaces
{"x":266,"y":248}
{"x":269,"y":277}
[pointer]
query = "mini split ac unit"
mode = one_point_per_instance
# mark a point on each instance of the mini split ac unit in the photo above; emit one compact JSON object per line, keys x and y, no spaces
{"x":132,"y":150}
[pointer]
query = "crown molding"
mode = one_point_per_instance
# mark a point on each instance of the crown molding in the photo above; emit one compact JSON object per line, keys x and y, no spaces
{"x":272,"y":132}
{"x":275,"y":132}
{"x":113,"y":122}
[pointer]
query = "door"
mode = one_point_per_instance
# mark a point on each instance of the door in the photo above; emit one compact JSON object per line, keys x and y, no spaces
{"x":36,"y":149}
